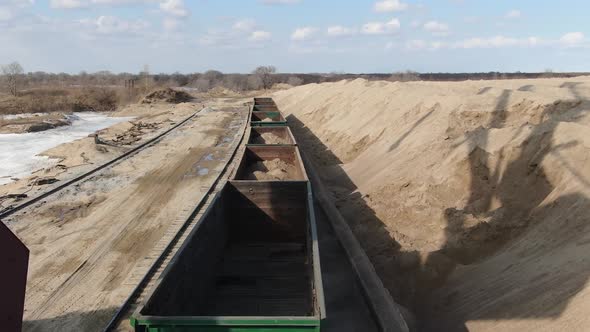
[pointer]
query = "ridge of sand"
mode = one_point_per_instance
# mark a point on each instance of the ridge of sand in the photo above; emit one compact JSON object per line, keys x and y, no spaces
{"x":470,"y":198}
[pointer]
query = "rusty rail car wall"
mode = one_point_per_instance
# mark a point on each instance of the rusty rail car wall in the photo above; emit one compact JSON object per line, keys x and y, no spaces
{"x":264,"y":101}
{"x":14,"y":260}
{"x":265,"y":108}
{"x":252,"y":261}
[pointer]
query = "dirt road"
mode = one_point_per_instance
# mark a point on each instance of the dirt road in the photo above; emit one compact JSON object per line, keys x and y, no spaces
{"x":91,"y":243}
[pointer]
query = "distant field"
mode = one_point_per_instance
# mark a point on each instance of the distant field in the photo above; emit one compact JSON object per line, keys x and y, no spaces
{"x":69,"y":99}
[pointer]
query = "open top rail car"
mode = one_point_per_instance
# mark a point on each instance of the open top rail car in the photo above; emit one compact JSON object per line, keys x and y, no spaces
{"x":252,"y":262}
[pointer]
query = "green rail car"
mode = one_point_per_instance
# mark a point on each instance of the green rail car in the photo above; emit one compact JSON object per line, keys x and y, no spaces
{"x":267,"y":118}
{"x":265,"y":108}
{"x":250,"y":264}
{"x":264,"y":101}
{"x":228,"y":324}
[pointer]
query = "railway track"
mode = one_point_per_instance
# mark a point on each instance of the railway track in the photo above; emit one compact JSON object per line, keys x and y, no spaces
{"x":11,"y":210}
{"x":167,"y":247}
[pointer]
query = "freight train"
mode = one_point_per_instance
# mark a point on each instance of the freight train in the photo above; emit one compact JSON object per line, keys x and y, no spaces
{"x":252,"y":262}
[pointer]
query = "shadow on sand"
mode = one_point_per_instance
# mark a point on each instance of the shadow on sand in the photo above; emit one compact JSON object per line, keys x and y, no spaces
{"x":75,"y":321}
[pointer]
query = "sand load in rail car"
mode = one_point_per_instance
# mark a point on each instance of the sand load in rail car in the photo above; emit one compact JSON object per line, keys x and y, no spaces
{"x":252,"y":261}
{"x":271,"y":135}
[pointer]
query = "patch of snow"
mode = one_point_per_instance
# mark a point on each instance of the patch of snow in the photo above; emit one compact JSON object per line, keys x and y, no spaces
{"x":19,"y":152}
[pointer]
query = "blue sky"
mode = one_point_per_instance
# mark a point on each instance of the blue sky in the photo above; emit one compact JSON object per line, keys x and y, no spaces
{"x":296,"y":35}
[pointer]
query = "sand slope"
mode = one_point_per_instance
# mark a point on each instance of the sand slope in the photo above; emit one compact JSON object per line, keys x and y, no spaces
{"x":471,"y":198}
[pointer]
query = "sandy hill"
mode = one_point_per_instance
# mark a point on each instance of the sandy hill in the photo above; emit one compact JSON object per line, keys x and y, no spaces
{"x":472,"y":198}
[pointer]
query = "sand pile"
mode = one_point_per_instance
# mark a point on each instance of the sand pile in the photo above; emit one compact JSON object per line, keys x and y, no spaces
{"x":269,"y":138}
{"x":167,"y":95}
{"x":470,"y":198}
{"x":218,"y":92}
{"x":275,"y":169}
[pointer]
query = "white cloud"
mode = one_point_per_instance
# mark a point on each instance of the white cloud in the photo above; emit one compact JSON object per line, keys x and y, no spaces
{"x":417,"y":45}
{"x":497,"y":42}
{"x":21,"y":3}
{"x":513,"y":14}
{"x":174,"y":8}
{"x":170,"y":23}
{"x":118,"y":2}
{"x":572,"y":39}
{"x":244,"y":25}
{"x":340,"y":31}
{"x":68,"y":4}
{"x":437,"y":45}
{"x":5,"y":14}
{"x":493,"y":42}
{"x":437,"y":28}
{"x":279,"y":2}
{"x":75,"y":4}
{"x":303,"y":33}
{"x":112,"y":24}
{"x":387,"y":6}
{"x":381,"y":28}
{"x":259,"y":35}
{"x":243,"y":33}
{"x":534,"y":41}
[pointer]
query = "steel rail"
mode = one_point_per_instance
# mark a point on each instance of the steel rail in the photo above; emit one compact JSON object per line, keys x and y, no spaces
{"x":167,"y":250}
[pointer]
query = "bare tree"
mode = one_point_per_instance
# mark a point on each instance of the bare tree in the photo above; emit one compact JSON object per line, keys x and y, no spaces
{"x":13,"y":73}
{"x":145,"y":77}
{"x":265,"y":74}
{"x":406,"y":76}
{"x":294,"y":81}
{"x":548,"y":73}
{"x":254,"y":82}
{"x":202,"y":84}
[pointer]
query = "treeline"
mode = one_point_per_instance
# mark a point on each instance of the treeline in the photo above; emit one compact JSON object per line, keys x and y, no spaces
{"x":201,"y":81}
{"x":245,"y":82}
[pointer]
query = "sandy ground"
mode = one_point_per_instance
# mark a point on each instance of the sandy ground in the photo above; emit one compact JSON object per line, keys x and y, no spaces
{"x":470,"y":198}
{"x":90,"y":244}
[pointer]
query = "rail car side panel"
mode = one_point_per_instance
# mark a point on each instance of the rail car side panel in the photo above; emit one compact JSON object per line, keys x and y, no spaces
{"x":250,"y":265}
{"x":14,"y":260}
